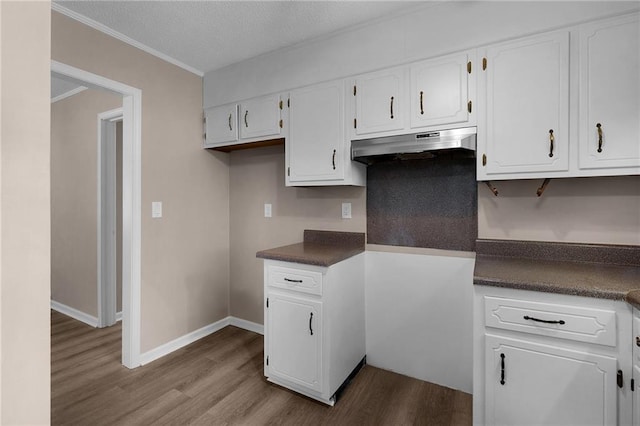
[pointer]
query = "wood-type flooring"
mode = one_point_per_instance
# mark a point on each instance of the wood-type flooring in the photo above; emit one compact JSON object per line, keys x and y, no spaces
{"x":218,"y":380}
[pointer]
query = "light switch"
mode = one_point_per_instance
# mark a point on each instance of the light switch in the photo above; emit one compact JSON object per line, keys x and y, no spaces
{"x":267,"y":210}
{"x":156,"y":209}
{"x":346,"y":210}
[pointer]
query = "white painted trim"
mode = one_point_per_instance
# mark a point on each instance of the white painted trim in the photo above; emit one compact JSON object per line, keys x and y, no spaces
{"x":182,"y":341}
{"x":118,"y":316}
{"x":246,"y":325}
{"x":74,"y":313}
{"x":106,"y":220}
{"x":131,"y":201}
{"x":123,"y":38}
{"x":68,"y":94}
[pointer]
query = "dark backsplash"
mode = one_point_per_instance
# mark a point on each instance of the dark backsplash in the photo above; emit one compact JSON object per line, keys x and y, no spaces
{"x":429,"y":203}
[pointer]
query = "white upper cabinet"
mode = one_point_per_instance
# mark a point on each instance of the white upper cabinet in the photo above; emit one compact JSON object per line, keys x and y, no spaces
{"x":433,"y":94}
{"x":380,"y":102}
{"x":440,"y":91}
{"x":221,"y":124}
{"x":523,"y":128}
{"x":316,"y":149}
{"x":610,"y":95}
{"x":260,"y":117}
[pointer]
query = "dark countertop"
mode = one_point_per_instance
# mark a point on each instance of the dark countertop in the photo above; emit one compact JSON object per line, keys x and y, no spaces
{"x":549,"y":267}
{"x":320,"y":248}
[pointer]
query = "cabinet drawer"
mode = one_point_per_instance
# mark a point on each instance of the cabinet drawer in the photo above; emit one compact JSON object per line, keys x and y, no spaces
{"x":561,"y":321}
{"x":295,"y":279}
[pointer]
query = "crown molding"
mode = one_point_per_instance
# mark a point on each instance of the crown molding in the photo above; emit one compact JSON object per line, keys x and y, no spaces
{"x":123,"y":38}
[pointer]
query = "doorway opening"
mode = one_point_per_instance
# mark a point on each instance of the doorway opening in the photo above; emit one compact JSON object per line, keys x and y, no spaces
{"x":131,"y":114}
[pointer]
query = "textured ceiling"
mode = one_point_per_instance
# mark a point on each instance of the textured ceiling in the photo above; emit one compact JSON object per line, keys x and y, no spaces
{"x":207,"y":35}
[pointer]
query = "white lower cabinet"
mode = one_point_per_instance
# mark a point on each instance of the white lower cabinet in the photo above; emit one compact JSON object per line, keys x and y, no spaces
{"x":295,"y":340}
{"x":534,"y":384}
{"x":550,"y":359}
{"x":314,"y":325}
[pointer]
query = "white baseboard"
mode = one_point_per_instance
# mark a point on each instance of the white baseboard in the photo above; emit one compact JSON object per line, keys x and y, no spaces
{"x":74,"y":313}
{"x":182,"y":341}
{"x":189,"y":338}
{"x":118,"y":316}
{"x":246,"y":325}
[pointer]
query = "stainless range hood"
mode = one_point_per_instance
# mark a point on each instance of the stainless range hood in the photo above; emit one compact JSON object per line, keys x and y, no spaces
{"x":416,"y":145}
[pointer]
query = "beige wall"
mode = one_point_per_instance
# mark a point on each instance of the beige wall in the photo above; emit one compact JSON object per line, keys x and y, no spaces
{"x":587,"y":210}
{"x":24,"y":213}
{"x":74,"y":180}
{"x":256,"y":178}
{"x":185,"y":254}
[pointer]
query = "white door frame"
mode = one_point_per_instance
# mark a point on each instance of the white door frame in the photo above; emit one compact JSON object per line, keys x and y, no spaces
{"x":131,"y":200}
{"x":107,"y":248}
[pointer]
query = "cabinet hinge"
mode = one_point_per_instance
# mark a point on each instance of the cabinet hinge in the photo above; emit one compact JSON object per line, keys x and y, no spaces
{"x":280,"y":104}
{"x":484,"y":64}
{"x":288,"y":171}
{"x":484,"y":159}
{"x":354,"y":90}
{"x":280,"y":124}
{"x":355,"y":123}
{"x":267,"y":360}
{"x":469,"y":107}
{"x":633,"y":385}
{"x":267,"y":302}
{"x":469,"y":67}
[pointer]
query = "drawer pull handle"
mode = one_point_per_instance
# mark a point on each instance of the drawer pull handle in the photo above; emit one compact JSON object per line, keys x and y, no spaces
{"x":637,"y":340}
{"x":310,"y":318}
{"x":421,"y":103}
{"x":552,"y":139}
{"x":502,"y":382}
{"x":544,"y":321}
{"x":392,"y":107}
{"x":230,"y":128}
{"x":333,"y":159}
{"x":289,"y":280}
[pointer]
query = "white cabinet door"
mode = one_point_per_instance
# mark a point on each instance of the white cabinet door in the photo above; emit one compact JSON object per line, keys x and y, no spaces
{"x":440,"y":91}
{"x":525,"y":126}
{"x":221,"y":125}
{"x":610,"y":94}
{"x":534,"y":384}
{"x":260,"y":117}
{"x":380,"y":102}
{"x":317,"y":133}
{"x":294,"y":327}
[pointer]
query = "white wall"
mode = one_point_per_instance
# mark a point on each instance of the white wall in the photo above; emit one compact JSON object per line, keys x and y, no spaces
{"x":419,"y":315}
